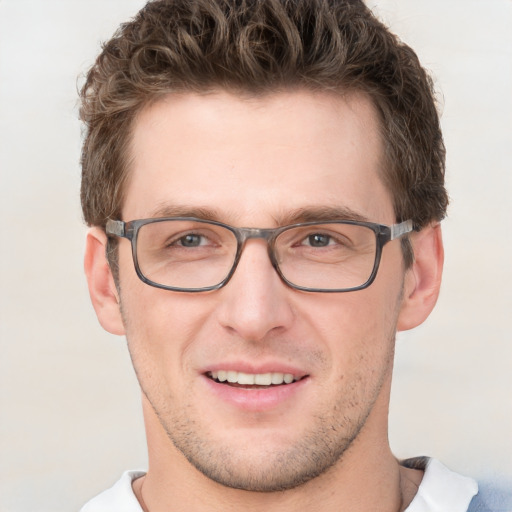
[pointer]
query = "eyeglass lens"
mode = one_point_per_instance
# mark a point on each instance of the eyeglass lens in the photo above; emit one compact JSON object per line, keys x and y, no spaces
{"x":188,"y":254}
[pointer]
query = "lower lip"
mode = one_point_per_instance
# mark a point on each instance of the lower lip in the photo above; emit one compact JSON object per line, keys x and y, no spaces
{"x":257,"y":399}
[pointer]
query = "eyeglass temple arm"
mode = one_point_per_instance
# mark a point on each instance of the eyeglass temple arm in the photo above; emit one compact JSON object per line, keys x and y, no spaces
{"x":398,"y":230}
{"x":115,"y":227}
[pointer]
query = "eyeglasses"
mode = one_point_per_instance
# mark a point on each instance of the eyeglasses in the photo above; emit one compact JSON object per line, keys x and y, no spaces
{"x":193,"y":255}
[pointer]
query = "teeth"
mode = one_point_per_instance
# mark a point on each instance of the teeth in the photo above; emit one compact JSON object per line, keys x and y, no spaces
{"x":263,"y":379}
{"x":246,"y":378}
{"x":277,"y":378}
{"x":250,"y":379}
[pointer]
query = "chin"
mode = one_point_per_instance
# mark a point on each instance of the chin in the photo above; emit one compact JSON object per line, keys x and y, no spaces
{"x":266,"y":463}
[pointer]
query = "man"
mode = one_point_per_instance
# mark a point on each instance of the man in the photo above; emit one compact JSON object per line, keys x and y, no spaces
{"x":264,"y":182}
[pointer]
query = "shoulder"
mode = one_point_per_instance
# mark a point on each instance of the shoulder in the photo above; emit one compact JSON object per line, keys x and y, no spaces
{"x":492,"y":497}
{"x":119,"y":498}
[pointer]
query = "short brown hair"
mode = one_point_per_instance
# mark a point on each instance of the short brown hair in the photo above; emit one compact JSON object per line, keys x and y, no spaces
{"x":259,"y":47}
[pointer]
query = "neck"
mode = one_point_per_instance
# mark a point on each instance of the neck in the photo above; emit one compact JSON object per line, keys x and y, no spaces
{"x":367,"y":477}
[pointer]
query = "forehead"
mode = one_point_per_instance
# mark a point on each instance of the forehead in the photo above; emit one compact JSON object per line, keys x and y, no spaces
{"x":255,"y":159}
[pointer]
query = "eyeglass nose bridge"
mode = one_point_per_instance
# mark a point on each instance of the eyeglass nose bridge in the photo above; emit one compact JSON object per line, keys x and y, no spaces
{"x":245,"y":234}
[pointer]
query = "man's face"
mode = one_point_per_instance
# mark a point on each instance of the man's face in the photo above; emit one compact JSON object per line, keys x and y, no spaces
{"x":262,"y":162}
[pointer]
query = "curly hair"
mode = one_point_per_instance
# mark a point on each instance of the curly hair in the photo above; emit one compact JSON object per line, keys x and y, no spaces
{"x":259,"y":47}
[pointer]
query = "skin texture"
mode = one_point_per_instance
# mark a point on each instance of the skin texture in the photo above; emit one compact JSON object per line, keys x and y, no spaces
{"x":263,"y":162}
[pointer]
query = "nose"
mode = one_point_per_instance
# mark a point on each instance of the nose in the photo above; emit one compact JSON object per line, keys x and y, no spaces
{"x":255,"y":302}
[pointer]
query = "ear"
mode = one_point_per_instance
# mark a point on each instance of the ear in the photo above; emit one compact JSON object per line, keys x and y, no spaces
{"x":423,"y":279}
{"x":102,"y":289}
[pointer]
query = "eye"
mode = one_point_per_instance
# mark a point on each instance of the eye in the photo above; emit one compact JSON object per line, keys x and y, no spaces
{"x":191,"y":240}
{"x":318,"y":240}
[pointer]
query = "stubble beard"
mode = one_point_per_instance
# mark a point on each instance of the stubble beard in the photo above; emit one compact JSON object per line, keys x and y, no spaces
{"x":273,"y":470}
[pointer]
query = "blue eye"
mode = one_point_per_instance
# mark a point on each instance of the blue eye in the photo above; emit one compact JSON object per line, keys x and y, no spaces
{"x":191,"y":240}
{"x":318,"y":240}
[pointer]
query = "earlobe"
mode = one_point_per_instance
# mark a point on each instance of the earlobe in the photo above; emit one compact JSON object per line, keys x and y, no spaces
{"x":102,"y":289}
{"x":423,"y":279}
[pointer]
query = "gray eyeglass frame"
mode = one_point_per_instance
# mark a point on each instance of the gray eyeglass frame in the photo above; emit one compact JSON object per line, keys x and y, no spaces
{"x":383,"y":234}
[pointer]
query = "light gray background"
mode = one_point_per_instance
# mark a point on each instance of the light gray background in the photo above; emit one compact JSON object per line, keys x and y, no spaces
{"x":70,"y":420}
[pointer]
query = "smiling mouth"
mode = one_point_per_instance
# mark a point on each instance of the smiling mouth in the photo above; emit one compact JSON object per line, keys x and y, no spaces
{"x":253,"y":380}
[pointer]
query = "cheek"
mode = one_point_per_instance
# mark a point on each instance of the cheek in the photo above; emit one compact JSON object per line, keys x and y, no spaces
{"x":351,"y":318}
{"x":161,"y":327}
{"x":356,"y":328}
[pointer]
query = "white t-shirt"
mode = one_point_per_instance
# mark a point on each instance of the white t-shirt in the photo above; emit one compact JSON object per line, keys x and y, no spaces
{"x":441,"y":490}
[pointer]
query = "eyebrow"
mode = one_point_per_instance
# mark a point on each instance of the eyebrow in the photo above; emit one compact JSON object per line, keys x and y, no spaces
{"x":296,"y":216}
{"x":173,"y":210}
{"x":320,"y":213}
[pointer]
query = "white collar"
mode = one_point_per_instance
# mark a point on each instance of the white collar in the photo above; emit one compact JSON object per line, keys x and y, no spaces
{"x":441,"y":490}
